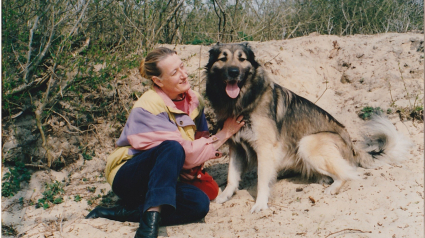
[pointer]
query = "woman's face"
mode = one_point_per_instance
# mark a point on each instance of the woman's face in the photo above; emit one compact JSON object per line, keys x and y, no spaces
{"x":173,"y":80}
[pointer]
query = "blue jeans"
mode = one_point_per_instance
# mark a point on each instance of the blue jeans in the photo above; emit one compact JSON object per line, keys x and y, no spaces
{"x":149,"y":179}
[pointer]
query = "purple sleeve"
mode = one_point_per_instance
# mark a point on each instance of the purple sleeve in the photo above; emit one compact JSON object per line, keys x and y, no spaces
{"x":201,"y":122}
{"x":143,"y":131}
{"x":140,"y":121}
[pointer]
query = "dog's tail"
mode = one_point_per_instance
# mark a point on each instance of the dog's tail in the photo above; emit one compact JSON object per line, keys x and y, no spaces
{"x":381,"y":141}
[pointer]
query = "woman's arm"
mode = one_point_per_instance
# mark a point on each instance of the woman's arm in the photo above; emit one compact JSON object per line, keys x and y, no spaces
{"x":144,"y":130}
{"x":230,"y":127}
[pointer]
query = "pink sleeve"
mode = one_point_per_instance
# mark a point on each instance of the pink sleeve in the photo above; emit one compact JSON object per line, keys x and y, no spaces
{"x":197,"y":151}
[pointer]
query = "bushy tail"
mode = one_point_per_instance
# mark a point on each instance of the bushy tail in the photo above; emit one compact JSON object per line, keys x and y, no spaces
{"x":382,"y":141}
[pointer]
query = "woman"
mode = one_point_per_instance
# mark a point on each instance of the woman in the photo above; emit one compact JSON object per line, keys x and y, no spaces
{"x":164,"y":140}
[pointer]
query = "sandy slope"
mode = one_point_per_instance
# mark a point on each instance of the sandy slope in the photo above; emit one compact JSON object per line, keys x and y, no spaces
{"x":388,"y":201}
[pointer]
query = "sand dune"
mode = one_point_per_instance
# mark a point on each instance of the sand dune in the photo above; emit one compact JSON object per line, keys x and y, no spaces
{"x":342,"y":78}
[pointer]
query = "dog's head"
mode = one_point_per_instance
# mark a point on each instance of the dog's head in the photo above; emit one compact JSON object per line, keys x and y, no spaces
{"x":231,"y":65}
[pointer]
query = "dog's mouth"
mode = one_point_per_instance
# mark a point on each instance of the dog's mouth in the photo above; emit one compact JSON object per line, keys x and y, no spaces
{"x":232,"y":89}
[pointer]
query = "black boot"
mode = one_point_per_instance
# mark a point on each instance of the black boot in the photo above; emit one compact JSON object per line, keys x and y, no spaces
{"x":149,"y":225}
{"x":118,"y":213}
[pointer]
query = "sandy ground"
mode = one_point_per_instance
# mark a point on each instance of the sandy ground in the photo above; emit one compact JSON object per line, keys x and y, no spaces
{"x":379,"y":71}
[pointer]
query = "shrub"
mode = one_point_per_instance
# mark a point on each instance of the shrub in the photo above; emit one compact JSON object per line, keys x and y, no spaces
{"x":13,"y":178}
{"x":51,"y":195}
{"x":367,"y":112}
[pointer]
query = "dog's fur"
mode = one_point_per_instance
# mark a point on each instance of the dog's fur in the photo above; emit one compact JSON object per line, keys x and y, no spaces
{"x":283,"y":131}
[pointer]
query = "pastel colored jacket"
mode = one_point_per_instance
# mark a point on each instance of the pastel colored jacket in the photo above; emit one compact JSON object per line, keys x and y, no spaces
{"x":154,"y":119}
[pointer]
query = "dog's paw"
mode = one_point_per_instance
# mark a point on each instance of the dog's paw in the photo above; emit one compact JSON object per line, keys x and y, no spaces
{"x":225,"y":195}
{"x":222,"y":197}
{"x":335,"y":187}
{"x":259,"y":206}
{"x":331,"y":190}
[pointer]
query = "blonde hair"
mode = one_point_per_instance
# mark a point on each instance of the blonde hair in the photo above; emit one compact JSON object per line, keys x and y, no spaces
{"x":149,"y":65}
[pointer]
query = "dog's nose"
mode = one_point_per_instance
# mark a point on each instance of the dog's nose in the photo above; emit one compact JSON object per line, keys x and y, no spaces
{"x":233,"y":72}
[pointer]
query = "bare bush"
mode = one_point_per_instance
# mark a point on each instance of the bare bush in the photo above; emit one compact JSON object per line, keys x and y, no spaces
{"x":62,"y":59}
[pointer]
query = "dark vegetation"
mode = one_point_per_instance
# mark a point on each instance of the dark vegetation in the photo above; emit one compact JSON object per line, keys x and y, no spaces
{"x":59,"y":59}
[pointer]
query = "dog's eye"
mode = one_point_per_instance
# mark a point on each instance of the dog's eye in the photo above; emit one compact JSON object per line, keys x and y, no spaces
{"x":242,"y":59}
{"x":222,"y":59}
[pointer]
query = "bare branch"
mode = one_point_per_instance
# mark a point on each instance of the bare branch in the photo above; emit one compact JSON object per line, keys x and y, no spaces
{"x":79,"y":50}
{"x":34,"y":26}
{"x":168,"y":18}
{"x":42,"y":54}
{"x":24,"y":87}
{"x":292,"y":32}
{"x":79,"y":19}
{"x":128,"y":19}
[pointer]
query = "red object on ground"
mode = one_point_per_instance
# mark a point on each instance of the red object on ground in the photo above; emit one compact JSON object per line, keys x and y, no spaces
{"x":203,"y":181}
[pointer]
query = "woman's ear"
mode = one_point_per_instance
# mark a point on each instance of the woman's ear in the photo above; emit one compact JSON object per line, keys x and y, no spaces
{"x":157,"y":81}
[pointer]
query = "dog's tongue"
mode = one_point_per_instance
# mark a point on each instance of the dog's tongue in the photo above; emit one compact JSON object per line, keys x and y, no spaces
{"x":232,"y":90}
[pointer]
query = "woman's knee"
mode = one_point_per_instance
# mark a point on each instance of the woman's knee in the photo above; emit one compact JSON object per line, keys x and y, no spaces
{"x":173,"y":145}
{"x":171,"y":148}
{"x":203,"y":205}
{"x":193,"y":200}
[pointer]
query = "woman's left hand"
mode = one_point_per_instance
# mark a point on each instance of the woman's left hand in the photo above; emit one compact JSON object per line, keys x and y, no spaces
{"x":190,"y":174}
{"x":187,"y":176}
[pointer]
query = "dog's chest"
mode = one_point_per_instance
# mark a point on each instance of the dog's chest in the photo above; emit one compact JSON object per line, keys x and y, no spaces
{"x":245,"y":133}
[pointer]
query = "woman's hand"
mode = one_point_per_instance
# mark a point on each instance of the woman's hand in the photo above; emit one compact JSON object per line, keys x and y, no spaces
{"x":230,"y":127}
{"x":190,"y":174}
{"x":187,"y":176}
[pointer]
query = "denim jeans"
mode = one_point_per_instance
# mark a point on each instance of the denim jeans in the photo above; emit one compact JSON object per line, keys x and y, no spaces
{"x":149,"y":179}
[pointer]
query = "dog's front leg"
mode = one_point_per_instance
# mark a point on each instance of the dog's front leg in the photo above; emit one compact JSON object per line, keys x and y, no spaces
{"x":236,"y":167}
{"x":266,"y":175}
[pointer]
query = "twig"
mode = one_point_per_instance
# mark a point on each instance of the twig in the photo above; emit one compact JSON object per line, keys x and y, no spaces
{"x":79,"y":19}
{"x":24,"y":87}
{"x":348,"y":229}
{"x":38,"y":118}
{"x":17,"y":58}
{"x":69,"y":124}
{"x":326,"y":81}
{"x":404,"y":83}
{"x":128,"y":19}
{"x":272,"y":59}
{"x":96,"y":134}
{"x":199,"y":68}
{"x":292,"y":32}
{"x":275,"y":205}
{"x":42,"y":54}
{"x":224,"y":15}
{"x":391,"y":95}
{"x":83,"y":47}
{"x":168,"y":18}
{"x":29,"y":47}
{"x":39,"y":166}
{"x":60,"y":224}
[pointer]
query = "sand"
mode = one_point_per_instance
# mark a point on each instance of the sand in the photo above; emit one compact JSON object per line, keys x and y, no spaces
{"x":388,"y":201}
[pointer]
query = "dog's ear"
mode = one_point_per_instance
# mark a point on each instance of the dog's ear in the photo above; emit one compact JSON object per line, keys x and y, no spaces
{"x":251,"y":56}
{"x":245,"y":44}
{"x":214,"y":52}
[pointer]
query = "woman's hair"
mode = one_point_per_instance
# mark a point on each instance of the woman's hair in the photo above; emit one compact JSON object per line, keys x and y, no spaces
{"x":149,"y":65}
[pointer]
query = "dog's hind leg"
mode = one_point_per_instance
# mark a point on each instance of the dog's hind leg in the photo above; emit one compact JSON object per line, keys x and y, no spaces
{"x":321,"y":153}
{"x":237,"y":166}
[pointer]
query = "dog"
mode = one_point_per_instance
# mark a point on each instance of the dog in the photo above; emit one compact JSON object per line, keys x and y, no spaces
{"x":284,"y":131}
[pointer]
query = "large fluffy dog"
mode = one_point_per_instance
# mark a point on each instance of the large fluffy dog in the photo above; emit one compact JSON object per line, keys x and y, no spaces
{"x":284,"y":131}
